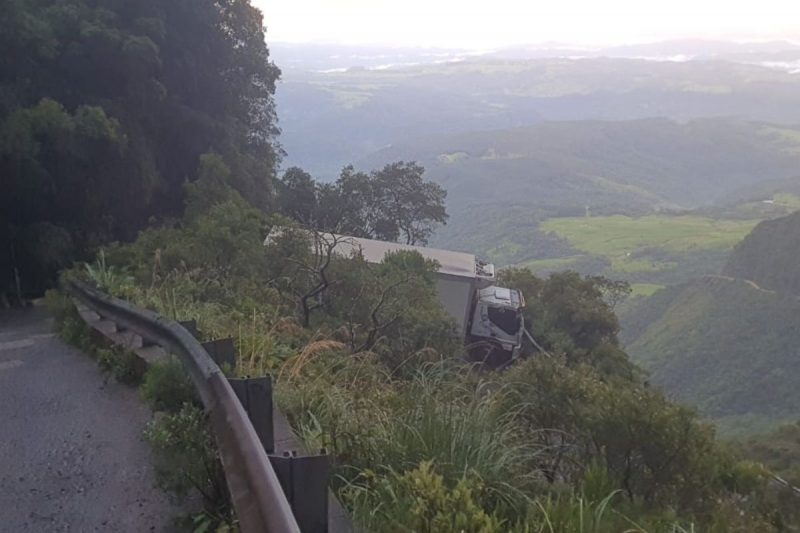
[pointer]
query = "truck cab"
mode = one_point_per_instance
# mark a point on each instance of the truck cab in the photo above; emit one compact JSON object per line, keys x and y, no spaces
{"x":497,"y":324}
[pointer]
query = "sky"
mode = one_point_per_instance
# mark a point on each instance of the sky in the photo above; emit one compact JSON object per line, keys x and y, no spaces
{"x":497,"y":23}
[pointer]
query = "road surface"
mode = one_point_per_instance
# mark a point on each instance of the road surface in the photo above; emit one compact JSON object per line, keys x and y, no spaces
{"x":72,"y":457}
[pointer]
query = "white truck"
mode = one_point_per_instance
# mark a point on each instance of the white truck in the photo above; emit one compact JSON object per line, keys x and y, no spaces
{"x":489,"y":317}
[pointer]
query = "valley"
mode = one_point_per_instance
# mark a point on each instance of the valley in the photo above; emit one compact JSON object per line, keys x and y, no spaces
{"x":646,"y":171}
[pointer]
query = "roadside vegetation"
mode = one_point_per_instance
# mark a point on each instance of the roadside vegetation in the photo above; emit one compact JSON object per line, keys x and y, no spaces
{"x":367,"y":367}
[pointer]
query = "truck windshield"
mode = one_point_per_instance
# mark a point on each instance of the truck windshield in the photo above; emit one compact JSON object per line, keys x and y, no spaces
{"x":507,"y":320}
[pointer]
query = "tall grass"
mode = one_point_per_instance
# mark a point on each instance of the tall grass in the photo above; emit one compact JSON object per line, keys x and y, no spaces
{"x":372,"y":422}
{"x":455,"y":424}
{"x":263,"y":343}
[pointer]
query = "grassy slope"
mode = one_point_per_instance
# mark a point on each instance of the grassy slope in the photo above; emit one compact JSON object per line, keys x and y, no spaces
{"x":729,"y":348}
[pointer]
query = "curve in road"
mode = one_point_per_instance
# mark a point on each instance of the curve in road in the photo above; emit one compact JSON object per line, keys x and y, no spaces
{"x":72,"y":455}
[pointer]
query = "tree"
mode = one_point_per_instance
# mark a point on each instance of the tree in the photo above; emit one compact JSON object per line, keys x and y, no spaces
{"x":412,"y":205}
{"x":391,"y":307}
{"x":298,"y":195}
{"x":652,"y":449}
{"x":301,"y":261}
{"x":53,"y":166}
{"x":570,"y":314}
{"x":210,"y":188}
{"x":390,"y":204}
{"x":107,"y":108}
{"x":357,"y":207}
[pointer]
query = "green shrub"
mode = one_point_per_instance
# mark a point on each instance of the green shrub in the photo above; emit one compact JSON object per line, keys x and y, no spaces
{"x":571,"y":513}
{"x":186,"y":459}
{"x":74,"y":330}
{"x":419,"y":500}
{"x":69,"y":324}
{"x":166,"y":387}
{"x":653,"y":449}
{"x":124,"y":365}
{"x":58,"y":303}
{"x":112,"y":279}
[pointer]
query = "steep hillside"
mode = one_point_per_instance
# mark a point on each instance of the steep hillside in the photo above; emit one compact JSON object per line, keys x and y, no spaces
{"x":769,"y":255}
{"x":730,"y":344}
{"x":507,"y":235}
{"x":727,"y":347}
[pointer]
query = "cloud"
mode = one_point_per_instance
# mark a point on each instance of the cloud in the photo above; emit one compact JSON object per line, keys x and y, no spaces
{"x":504,"y":22}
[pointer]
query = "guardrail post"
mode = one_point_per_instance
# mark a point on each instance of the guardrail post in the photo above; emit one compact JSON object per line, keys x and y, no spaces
{"x":222,"y":351}
{"x":305,"y":482}
{"x":255,"y":395}
{"x":191,"y":327}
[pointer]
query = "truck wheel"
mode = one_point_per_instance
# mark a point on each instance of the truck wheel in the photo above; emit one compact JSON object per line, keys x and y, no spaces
{"x":489,"y":353}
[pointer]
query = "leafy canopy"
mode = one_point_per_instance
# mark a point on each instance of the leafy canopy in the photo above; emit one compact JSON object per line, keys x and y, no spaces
{"x":390,"y":204}
{"x":106,"y":108}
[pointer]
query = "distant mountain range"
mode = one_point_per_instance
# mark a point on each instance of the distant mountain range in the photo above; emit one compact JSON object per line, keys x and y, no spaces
{"x":620,"y":166}
{"x":333,"y":57}
{"x":332,"y":119}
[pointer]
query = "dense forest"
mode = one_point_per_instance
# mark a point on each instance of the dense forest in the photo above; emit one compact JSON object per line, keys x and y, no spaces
{"x":139,"y":151}
{"x":105,"y":110}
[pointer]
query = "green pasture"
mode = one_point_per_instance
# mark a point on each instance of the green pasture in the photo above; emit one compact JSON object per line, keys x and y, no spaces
{"x":626,"y":241}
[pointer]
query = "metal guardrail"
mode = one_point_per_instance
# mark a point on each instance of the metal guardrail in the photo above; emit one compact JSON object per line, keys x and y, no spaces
{"x":259,"y":500}
{"x":785,"y":484}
